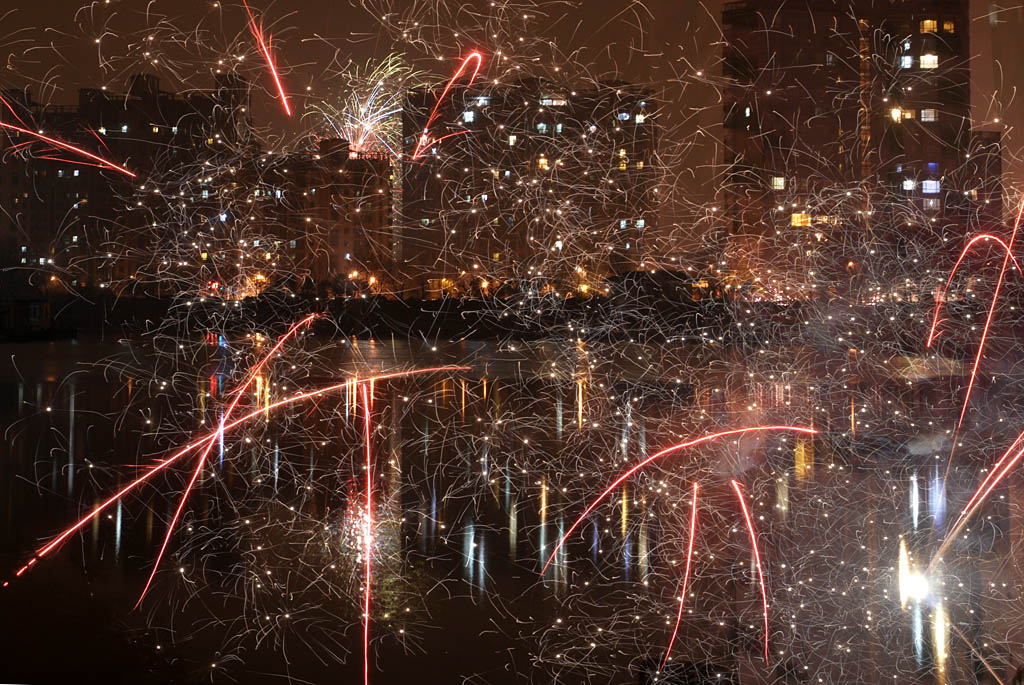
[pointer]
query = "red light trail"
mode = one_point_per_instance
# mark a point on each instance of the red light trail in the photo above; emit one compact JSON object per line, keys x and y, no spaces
{"x":757,"y":559}
{"x":210,"y":438}
{"x":658,"y":455}
{"x":945,"y":289}
{"x":424,"y":139}
{"x":201,"y":462}
{"x":988,"y":319}
{"x":264,"y":46}
{"x":106,"y":164}
{"x":367,"y":533}
{"x":686,"y":575}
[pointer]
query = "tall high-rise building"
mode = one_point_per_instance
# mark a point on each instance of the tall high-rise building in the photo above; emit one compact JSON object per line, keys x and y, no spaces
{"x":847,"y":136}
{"x":527,"y":186}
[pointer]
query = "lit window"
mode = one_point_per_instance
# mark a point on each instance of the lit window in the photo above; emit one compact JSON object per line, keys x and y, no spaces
{"x":542,"y":127}
{"x":425,"y":222}
{"x":206,"y":194}
{"x":949,"y":27}
{"x":623,"y":116}
{"x":641,"y":223}
{"x":42,"y":260}
{"x":552,"y":102}
{"x":906,"y":44}
{"x":483,"y":197}
{"x":103,"y":130}
{"x":622,"y":165}
{"x":930,"y":187}
{"x":909,"y":184}
{"x":124,"y":129}
{"x":746,"y":112}
{"x":542,"y":163}
{"x":830,"y":59}
{"x":896,"y":113}
{"x":558,"y":128}
{"x":174,"y":129}
{"x":929,"y":61}
{"x":76,"y":172}
{"x":494,"y":173}
{"x":255,"y":243}
{"x":640,"y":118}
{"x":469,"y":116}
{"x":512,"y":140}
{"x":800,"y":219}
{"x":908,"y":114}
{"x":291,"y":243}
{"x":622,"y":223}
{"x":60,"y":173}
{"x":483,"y":101}
{"x":932,"y":203}
{"x":778,"y":182}
{"x":622,"y":153}
{"x":640,"y":164}
{"x":496,"y":256}
{"x":929,"y":114}
{"x":74,"y":238}
{"x":24,"y":248}
{"x":929,"y":26}
{"x":23,"y":260}
{"x":907,"y":61}
{"x":933,"y":167}
{"x":156,"y":129}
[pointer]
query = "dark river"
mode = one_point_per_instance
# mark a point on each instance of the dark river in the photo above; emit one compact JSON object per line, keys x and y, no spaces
{"x":476,"y":475}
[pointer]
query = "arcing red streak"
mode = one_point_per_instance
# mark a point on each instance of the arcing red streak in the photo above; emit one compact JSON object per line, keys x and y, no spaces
{"x":69,"y":147}
{"x":757,"y":559}
{"x":264,"y":47}
{"x":424,"y":139}
{"x":658,"y":455}
{"x":201,"y":462}
{"x":988,"y":319}
{"x":686,"y":575}
{"x":209,"y":438}
{"x":952,"y":273}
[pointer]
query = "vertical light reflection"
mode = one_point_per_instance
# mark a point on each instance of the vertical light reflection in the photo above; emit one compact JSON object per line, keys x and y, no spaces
{"x":543,"y":520}
{"x":277,"y":463}
{"x":803,"y":459}
{"x":558,"y":413}
{"x":782,"y":496}
{"x":940,"y":641}
{"x":513,"y":530}
{"x":468,"y":551}
{"x":918,"y":628}
{"x":937,"y":498}
{"x":915,"y":500}
{"x":579,"y":402}
{"x":71,"y":439}
{"x":117,"y":528}
{"x":220,"y":437}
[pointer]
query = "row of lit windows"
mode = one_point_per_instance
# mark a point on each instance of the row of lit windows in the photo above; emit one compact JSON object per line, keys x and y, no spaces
{"x":928,"y":61}
{"x":124,"y":129}
{"x":932,"y":26}
{"x":898,"y":114}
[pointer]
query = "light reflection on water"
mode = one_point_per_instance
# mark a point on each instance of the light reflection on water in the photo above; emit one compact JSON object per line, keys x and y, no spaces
{"x":483,"y":472}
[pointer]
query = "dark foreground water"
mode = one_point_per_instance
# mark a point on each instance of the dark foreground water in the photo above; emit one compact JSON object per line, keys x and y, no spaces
{"x":477,"y":474}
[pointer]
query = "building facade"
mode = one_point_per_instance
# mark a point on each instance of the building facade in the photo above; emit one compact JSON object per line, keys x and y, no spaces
{"x":525,"y":186}
{"x":848,"y":134}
